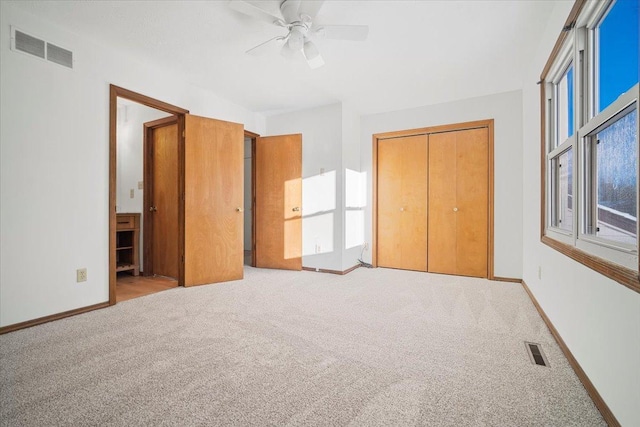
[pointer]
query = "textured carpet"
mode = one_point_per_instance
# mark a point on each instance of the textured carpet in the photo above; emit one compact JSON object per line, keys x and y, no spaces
{"x":374,"y":347}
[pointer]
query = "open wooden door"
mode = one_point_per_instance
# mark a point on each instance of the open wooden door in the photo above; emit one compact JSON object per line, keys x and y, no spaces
{"x":278,"y":178}
{"x":161,"y":203}
{"x":213,"y":200}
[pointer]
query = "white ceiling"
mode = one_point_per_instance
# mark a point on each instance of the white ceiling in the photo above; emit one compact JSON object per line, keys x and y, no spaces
{"x":417,"y":53}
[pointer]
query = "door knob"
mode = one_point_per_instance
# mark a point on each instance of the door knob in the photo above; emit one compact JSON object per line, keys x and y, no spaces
{"x":238,"y":209}
{"x":401,"y":209}
{"x":455,"y":209}
{"x":153,"y":209}
{"x":296,"y":209}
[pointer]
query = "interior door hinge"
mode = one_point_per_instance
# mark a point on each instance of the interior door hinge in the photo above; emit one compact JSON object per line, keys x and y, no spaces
{"x":183,"y":133}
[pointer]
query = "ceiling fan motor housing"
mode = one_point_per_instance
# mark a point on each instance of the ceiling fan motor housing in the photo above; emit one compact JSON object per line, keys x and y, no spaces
{"x":297,"y":34}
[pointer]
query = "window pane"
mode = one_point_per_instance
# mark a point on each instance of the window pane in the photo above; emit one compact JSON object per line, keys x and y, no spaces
{"x":565,"y":106}
{"x":563,"y":200}
{"x":617,"y":181}
{"x":617,"y":45}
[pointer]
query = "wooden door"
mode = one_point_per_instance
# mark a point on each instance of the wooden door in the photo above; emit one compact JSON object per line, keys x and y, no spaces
{"x":161,"y":208}
{"x":213,"y":200}
{"x":278,"y":204}
{"x":402,"y":203}
{"x":458,"y":202}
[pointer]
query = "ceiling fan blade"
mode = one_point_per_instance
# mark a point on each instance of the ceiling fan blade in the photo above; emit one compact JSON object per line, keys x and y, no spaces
{"x":263,"y":47}
{"x":289,"y":10}
{"x":343,"y":32}
{"x":255,"y":12}
{"x":312,"y":55}
{"x":310,"y":8}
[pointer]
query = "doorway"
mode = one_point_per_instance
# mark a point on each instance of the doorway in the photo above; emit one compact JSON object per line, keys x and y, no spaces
{"x":250,"y":197}
{"x":210,"y":205}
{"x":433,"y":199}
{"x":210,"y":196}
{"x":138,"y":124}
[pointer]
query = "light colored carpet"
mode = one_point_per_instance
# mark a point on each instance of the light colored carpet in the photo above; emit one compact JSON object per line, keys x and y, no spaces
{"x":374,"y":347}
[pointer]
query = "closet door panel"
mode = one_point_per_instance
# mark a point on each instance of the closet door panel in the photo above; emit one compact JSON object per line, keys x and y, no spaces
{"x":442,"y":203}
{"x":413,"y":208}
{"x":402,"y":203}
{"x":472,"y":200}
{"x":389,"y":201}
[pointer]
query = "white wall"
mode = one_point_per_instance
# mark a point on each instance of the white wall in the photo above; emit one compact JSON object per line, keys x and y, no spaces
{"x":54,"y":157}
{"x":598,"y":318}
{"x":354,"y":189}
{"x":506,"y":110}
{"x":322,"y":202}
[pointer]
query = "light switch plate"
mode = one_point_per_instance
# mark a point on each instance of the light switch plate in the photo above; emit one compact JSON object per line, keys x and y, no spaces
{"x":140,"y":185}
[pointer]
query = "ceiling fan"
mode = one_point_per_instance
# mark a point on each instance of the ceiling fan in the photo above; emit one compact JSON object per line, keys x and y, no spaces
{"x":298,"y":18}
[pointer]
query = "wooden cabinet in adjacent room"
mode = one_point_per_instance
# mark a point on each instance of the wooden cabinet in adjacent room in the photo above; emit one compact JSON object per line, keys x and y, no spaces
{"x":128,"y":242}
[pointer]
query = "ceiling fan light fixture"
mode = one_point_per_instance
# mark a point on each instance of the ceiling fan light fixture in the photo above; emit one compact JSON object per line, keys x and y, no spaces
{"x":296,"y":39}
{"x":311,"y":53}
{"x":297,"y":17}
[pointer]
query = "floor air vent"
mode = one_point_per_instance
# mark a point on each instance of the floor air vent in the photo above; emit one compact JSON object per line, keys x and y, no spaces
{"x":535,"y":354}
{"x":26,"y":43}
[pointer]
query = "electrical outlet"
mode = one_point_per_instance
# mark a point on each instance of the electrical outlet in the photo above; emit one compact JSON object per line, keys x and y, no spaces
{"x":140,"y":185}
{"x":365,"y":246}
{"x":81,"y":275}
{"x":318,"y":249}
{"x":132,"y":193}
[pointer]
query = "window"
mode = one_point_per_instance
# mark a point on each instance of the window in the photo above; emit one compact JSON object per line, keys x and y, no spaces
{"x":561,"y":99}
{"x":615,"y":44}
{"x":565,"y":102}
{"x":590,"y":92}
{"x":563,"y":191}
{"x":612,"y":161}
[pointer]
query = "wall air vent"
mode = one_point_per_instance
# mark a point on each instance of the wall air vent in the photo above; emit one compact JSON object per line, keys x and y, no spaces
{"x":28,"y":44}
{"x":59,"y":55}
{"x":31,"y":45}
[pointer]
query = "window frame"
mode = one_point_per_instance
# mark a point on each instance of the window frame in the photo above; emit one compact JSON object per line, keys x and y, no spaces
{"x":555,"y":148}
{"x":576,"y":46}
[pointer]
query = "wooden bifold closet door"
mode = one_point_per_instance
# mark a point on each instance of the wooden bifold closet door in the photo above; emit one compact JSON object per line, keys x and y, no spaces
{"x":458,"y":202}
{"x":433,"y":202}
{"x":402,"y":203}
